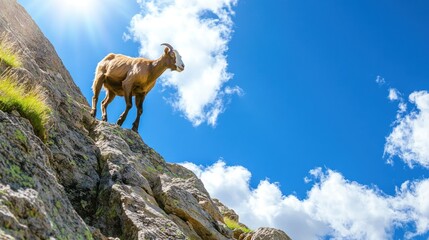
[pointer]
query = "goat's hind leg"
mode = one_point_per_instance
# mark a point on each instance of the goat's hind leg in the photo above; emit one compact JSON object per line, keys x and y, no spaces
{"x":127,"y":86}
{"x":96,"y":88}
{"x":128,"y":101}
{"x":108,"y":99}
{"x":139,"y":106}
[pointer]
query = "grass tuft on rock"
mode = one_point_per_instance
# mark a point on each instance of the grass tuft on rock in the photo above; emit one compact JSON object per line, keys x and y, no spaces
{"x":8,"y":55}
{"x":231,"y":224}
{"x":28,"y":103}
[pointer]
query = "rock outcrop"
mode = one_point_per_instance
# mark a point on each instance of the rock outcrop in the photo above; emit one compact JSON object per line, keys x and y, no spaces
{"x":265,"y":234}
{"x":225,"y":211}
{"x":89,"y":179}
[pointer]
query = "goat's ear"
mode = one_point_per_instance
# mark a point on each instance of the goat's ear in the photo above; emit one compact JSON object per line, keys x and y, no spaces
{"x":166,"y":50}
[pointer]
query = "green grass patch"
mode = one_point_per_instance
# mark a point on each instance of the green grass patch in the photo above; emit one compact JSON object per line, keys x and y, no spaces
{"x":8,"y":55}
{"x":20,"y":136}
{"x":231,"y":224}
{"x":88,"y":235}
{"x":29,"y":103}
{"x":16,"y":175}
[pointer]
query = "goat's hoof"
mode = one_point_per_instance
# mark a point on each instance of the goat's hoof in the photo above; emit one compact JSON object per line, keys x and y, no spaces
{"x":119,"y":122}
{"x":104,"y":119}
{"x":135,"y":129}
{"x":93,"y":111}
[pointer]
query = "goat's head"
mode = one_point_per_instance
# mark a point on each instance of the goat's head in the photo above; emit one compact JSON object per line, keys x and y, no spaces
{"x":174,"y":60}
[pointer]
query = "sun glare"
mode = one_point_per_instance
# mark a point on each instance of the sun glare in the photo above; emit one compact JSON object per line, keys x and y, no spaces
{"x":77,"y":4}
{"x":77,"y":8}
{"x":78,"y":21}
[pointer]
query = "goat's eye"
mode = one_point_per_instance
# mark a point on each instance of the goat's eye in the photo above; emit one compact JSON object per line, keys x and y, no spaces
{"x":172,"y":54}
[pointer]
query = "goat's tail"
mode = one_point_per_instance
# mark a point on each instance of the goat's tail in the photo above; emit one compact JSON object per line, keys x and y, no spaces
{"x":99,"y":74}
{"x":98,"y":82}
{"x":96,"y":87}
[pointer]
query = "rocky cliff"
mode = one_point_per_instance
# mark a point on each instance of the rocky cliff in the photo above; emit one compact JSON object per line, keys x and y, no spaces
{"x":88,"y":179}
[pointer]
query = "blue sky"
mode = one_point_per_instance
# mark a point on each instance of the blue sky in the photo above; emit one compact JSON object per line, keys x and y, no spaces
{"x":298,"y":99}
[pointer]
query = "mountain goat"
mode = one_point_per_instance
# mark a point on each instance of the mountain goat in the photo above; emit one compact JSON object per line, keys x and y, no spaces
{"x":126,"y":76}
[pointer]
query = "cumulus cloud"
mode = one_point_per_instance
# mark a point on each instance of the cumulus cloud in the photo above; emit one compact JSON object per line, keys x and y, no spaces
{"x":334,"y":207}
{"x":231,"y":177}
{"x":413,"y":199}
{"x":409,"y":139}
{"x":200,"y":30}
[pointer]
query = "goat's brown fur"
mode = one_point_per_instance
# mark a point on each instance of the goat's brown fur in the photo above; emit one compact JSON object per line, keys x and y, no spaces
{"x":126,"y":76}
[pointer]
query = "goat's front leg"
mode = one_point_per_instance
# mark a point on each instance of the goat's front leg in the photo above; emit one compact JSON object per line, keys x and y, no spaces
{"x":127,"y":86}
{"x":125,"y":113}
{"x":139,"y":106}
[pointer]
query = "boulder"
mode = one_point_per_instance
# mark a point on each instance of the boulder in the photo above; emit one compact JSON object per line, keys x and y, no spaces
{"x":269,"y":234}
{"x":225,"y":211}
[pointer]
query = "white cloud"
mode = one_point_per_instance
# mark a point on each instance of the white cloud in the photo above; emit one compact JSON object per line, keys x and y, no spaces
{"x":393,"y":94}
{"x":351,"y":210}
{"x":380,"y":80}
{"x":200,"y":30}
{"x":227,"y":178}
{"x":409,"y":139}
{"x":234,"y":90}
{"x":402,"y":107}
{"x":334,"y":207}
{"x":413,"y":199}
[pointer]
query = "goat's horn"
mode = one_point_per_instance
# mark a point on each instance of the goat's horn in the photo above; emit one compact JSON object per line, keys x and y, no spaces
{"x":168,"y":45}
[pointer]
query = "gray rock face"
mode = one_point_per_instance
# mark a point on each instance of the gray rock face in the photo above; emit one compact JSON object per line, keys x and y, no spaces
{"x":156,"y":199}
{"x":225,"y":211}
{"x":269,"y":234}
{"x":73,"y":156}
{"x":33,"y":205}
{"x":90,"y":179}
{"x":174,"y":196}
